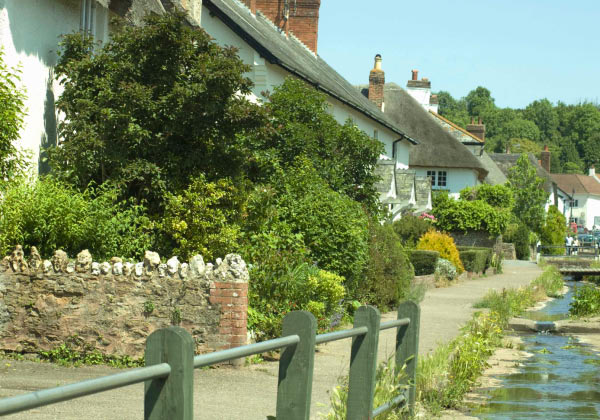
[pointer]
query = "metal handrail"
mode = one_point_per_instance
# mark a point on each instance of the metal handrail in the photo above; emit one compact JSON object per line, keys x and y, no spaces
{"x":43,"y":397}
{"x":339,"y":335}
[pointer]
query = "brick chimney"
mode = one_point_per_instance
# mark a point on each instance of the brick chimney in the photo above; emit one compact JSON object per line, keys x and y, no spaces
{"x":545,"y":158}
{"x":251,"y":5}
{"x":301,"y":17}
{"x":376,"y":83}
{"x":478,"y":130}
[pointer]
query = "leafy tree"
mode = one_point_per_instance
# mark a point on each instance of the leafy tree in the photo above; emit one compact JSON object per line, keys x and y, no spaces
{"x":572,"y":168}
{"x":342,"y":155}
{"x":519,"y":128}
{"x":591,"y":150}
{"x":12,"y":112}
{"x":520,"y":145}
{"x":452,"y":109}
{"x":543,"y":114}
{"x":478,"y":101}
{"x":153,"y":108}
{"x":495,"y":195}
{"x":528,"y":190}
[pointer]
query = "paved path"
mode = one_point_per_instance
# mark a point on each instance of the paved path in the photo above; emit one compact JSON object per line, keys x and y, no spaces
{"x":249,"y":393}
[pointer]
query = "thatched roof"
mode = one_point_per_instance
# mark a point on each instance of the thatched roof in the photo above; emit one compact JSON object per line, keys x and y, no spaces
{"x":437,"y":148}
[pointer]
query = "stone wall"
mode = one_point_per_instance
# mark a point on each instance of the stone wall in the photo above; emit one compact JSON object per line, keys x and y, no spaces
{"x":113,"y":306}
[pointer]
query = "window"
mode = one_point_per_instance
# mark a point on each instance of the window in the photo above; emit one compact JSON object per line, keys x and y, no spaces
{"x":376,"y":134}
{"x":574,"y":203}
{"x":441,"y":178}
{"x":88,"y":16}
{"x":431,"y":175}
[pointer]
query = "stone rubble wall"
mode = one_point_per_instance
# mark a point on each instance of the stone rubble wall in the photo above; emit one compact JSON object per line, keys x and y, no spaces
{"x":113,"y":306}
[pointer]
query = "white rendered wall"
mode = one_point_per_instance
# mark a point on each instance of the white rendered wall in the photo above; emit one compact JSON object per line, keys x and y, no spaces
{"x":456,"y":179}
{"x":267,"y":76}
{"x":30,"y":31}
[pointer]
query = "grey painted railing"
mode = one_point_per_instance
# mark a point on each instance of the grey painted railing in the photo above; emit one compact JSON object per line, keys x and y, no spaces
{"x":170,"y":361}
{"x":572,"y":251}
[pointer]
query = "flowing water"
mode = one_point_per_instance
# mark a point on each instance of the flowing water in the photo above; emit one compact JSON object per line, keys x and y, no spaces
{"x":560,"y":381}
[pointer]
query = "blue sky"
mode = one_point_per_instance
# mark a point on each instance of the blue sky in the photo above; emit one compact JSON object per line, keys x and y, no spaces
{"x":519,"y":50}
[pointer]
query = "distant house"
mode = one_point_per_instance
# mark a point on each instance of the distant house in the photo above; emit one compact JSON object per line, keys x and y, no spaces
{"x":439,"y":156}
{"x":583,"y":206}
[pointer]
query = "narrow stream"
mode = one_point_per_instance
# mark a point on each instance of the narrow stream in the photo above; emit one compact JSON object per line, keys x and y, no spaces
{"x":560,"y":381}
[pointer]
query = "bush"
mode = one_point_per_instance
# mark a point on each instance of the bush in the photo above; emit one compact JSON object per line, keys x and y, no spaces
{"x":50,"y":215}
{"x":474,"y":260}
{"x":424,"y":262}
{"x":334,"y":228}
{"x":303,"y":287}
{"x":389,"y":272}
{"x":203,"y":219}
{"x":489,"y":255}
{"x":444,"y":244}
{"x":410,"y":228}
{"x":554,"y":230}
{"x":445,"y":269}
{"x":518,"y":234}
{"x":461,"y":216}
{"x":586,"y":301}
{"x":494,"y":195}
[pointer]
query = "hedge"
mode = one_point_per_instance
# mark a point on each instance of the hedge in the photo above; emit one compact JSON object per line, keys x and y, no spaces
{"x":423,"y":261}
{"x":474,"y":260}
{"x":489,"y":254}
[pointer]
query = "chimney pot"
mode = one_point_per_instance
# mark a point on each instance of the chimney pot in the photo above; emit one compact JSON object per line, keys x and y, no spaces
{"x":592,"y":171}
{"x":415,"y":75}
{"x":546,"y":149}
{"x":472,"y":120}
{"x":377,"y":62}
{"x":425,"y":79}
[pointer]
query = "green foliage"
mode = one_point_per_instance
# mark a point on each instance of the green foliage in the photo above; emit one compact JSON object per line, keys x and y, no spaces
{"x":424,"y":262}
{"x":586,"y":301}
{"x":303,"y":287}
{"x":76,"y":352}
{"x":410,"y":228}
{"x":488,"y":252}
{"x":154,"y":107}
{"x":474,"y":260}
{"x":478,"y":101}
{"x":389,"y":272}
{"x":343,"y":155}
{"x":495,"y":195}
{"x":461,"y":215}
{"x":12,"y":111}
{"x":203,"y":219}
{"x":148,"y":307}
{"x":445,"y":270}
{"x":554,"y":230}
{"x":444,"y":244}
{"x":530,"y":197}
{"x":334,"y":227}
{"x":49,"y":215}
{"x":518,"y":234}
{"x":551,"y":281}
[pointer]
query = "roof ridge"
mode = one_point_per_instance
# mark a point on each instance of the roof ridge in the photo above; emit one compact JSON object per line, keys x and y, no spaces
{"x":462,"y":130}
{"x":292,"y":35}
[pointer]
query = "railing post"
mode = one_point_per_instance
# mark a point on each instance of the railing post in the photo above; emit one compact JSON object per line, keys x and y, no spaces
{"x":171,"y":397}
{"x":296,"y":367}
{"x":363,"y":364}
{"x":407,"y":347}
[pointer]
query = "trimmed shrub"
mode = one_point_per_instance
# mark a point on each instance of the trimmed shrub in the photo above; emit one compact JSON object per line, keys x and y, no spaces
{"x":424,"y":262}
{"x":489,"y":255}
{"x":389,"y":271}
{"x":474,"y":260}
{"x":554,"y":231}
{"x":444,"y":244}
{"x":410,"y":228}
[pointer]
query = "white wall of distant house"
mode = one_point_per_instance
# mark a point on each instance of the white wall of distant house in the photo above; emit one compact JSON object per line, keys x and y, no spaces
{"x":267,"y":76}
{"x":456,"y":179}
{"x":588,"y":207}
{"x":30,"y":31}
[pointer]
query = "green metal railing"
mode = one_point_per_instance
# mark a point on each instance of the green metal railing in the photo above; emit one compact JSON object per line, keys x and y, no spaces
{"x":170,"y":361}
{"x":572,"y":251}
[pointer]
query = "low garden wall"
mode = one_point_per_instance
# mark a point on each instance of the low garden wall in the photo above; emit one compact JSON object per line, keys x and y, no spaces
{"x":113,"y":306}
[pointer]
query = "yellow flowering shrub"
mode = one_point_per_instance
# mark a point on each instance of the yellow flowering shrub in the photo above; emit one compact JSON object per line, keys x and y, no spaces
{"x":444,"y":244}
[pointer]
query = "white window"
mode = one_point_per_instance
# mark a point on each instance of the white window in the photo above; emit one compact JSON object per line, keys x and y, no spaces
{"x":87,"y":20}
{"x":441,"y":179}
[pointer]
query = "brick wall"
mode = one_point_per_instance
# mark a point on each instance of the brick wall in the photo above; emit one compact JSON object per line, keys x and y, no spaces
{"x":376,"y":84}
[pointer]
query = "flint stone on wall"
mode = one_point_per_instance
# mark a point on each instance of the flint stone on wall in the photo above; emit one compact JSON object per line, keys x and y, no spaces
{"x":42,"y":309}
